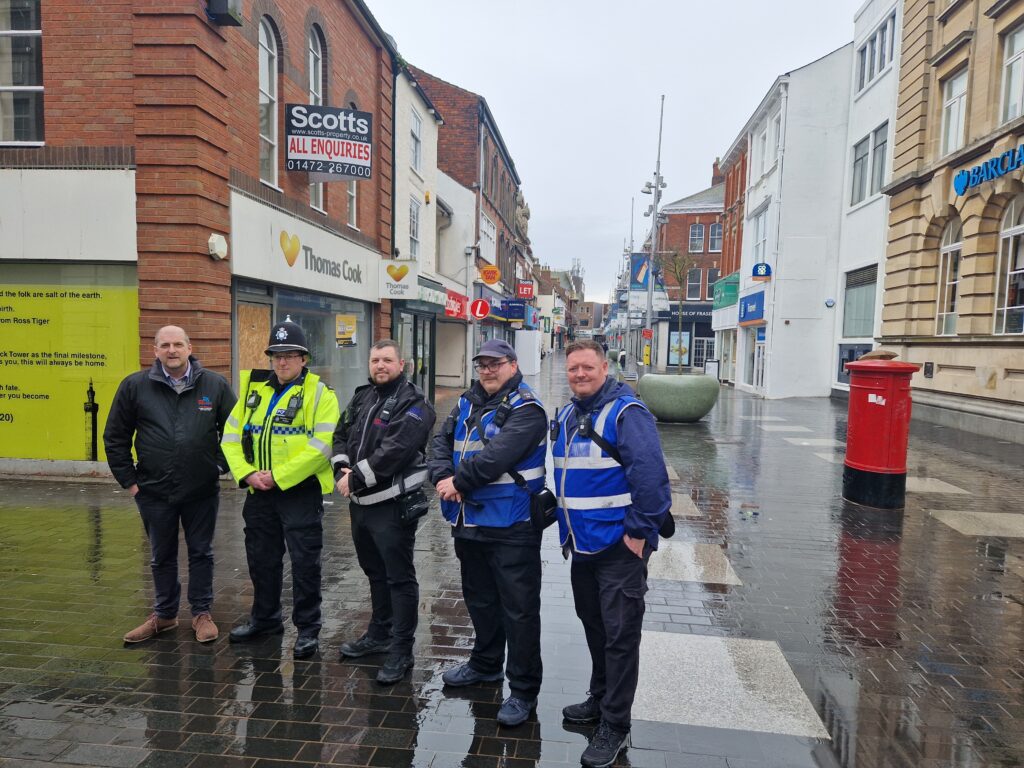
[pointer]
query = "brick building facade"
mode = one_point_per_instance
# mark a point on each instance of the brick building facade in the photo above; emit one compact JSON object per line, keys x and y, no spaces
{"x":152,"y":129}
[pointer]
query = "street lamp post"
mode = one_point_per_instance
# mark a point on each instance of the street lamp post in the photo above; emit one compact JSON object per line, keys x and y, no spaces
{"x":655,"y":190}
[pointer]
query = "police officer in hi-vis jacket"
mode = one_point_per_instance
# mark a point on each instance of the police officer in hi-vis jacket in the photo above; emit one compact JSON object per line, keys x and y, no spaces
{"x":277,"y":442}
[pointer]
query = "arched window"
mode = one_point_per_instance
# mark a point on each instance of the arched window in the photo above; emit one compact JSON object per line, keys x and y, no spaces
{"x":268,"y":102}
{"x":1010,"y":274}
{"x":316,"y":96}
{"x":949,"y":278}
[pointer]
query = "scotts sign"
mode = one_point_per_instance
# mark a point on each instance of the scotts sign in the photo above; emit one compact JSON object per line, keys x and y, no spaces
{"x":328,"y":143}
{"x":989,"y":170}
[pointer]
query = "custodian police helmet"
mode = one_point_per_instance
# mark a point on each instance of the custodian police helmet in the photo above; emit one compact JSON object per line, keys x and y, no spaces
{"x":287,"y":336}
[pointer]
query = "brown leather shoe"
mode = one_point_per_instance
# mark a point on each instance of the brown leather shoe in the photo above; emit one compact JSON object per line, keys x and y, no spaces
{"x":206,"y":631}
{"x":154,"y":625}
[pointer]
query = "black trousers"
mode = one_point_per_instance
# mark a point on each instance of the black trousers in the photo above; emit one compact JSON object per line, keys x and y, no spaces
{"x":274,"y":520}
{"x":198,"y":519}
{"x":501,"y":587}
{"x":384,"y":547}
{"x":609,"y":590}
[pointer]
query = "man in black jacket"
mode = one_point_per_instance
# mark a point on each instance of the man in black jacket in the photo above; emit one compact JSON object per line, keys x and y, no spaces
{"x":175,"y":413}
{"x":379,"y":465}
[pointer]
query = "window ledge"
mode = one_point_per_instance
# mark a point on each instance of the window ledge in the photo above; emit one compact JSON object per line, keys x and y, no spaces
{"x":874,"y":197}
{"x":22,"y":144}
{"x":318,"y":209}
{"x":995,"y":10}
{"x":272,"y":186}
{"x":353,"y":227}
{"x":952,"y":47}
{"x":415,"y":170}
{"x":950,"y":9}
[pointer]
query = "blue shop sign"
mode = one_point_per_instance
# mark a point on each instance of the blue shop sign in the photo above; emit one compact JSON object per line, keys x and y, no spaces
{"x":514,"y":309}
{"x":532,"y":319}
{"x":762,"y":272}
{"x":752,"y":309}
{"x":989,"y":170}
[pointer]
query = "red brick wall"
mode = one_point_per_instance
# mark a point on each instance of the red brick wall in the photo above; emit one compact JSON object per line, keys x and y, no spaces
{"x":458,"y":140}
{"x":157,"y":76}
{"x":732,"y":219}
{"x":675,"y":236}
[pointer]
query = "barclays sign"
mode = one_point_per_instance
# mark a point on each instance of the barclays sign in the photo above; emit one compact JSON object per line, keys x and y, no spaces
{"x":991,"y":169}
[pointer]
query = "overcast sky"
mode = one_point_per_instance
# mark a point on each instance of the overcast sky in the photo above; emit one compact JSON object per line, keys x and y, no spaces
{"x":575,"y":87}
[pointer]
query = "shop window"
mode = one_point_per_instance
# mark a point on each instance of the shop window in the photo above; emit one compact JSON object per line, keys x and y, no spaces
{"x":268,"y":102}
{"x":954,"y":111}
{"x":715,"y":244}
{"x":949,"y":278}
{"x":696,"y":238}
{"x":1010,"y":276}
{"x":21,"y":73}
{"x":859,"y":302}
{"x":316,"y":97}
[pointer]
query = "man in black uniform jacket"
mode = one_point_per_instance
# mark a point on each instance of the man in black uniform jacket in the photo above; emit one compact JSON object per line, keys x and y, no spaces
{"x":379,"y":465}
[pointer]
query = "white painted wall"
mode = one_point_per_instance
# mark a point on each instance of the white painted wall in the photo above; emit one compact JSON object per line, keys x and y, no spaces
{"x":451,"y":354}
{"x":461,"y":234}
{"x":865,"y":225}
{"x":412,"y":184}
{"x":802,"y":194}
{"x":68,"y":215}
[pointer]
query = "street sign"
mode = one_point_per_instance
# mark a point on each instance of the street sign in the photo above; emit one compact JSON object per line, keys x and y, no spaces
{"x":490,"y":274}
{"x":647,"y":333}
{"x":480,"y":309}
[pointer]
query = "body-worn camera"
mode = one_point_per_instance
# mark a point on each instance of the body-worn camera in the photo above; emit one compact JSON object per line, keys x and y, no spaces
{"x":247,"y":446}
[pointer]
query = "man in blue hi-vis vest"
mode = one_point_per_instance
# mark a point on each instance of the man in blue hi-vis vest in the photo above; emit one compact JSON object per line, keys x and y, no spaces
{"x":613,"y":498}
{"x":486,"y":461}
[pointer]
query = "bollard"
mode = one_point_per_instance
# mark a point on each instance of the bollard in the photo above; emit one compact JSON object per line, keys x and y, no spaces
{"x":875,"y":470}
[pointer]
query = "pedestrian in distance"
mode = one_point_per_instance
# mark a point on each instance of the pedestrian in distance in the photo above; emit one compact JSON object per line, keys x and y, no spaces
{"x":379,"y":466}
{"x":174,"y":414}
{"x":486,"y":462}
{"x":278,"y":444}
{"x":613,"y":497}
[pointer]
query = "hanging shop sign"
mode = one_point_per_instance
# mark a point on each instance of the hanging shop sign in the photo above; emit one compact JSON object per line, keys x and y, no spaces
{"x":480,"y":309}
{"x":989,"y":170}
{"x":514,"y":309}
{"x":455,"y":305}
{"x":524,"y":289}
{"x":398,"y":279}
{"x":532,"y":318}
{"x":752,"y":309}
{"x":761,"y":273}
{"x":490,"y":274}
{"x":329,"y":143}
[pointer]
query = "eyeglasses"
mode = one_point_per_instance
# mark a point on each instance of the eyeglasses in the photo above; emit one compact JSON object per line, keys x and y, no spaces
{"x":489,"y":367}
{"x":278,"y":356}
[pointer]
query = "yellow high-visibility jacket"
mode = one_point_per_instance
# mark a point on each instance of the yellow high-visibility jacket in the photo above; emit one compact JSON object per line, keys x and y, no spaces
{"x":291,"y":451}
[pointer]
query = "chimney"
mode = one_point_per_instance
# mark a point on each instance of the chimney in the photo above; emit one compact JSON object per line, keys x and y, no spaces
{"x":716,"y":174}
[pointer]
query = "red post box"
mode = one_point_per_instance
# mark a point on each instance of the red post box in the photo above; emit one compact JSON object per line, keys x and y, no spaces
{"x":875,"y":471}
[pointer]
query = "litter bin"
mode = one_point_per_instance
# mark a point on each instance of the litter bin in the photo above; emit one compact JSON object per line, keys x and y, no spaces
{"x":875,"y":470}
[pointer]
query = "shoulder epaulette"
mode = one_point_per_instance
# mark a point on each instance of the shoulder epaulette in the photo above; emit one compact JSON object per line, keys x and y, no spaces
{"x":258,"y":374}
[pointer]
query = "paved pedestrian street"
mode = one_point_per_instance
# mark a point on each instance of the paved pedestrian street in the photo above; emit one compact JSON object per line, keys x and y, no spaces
{"x":783,"y":626}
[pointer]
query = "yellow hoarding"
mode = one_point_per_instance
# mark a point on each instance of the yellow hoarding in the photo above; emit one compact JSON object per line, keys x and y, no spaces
{"x":68,"y":334}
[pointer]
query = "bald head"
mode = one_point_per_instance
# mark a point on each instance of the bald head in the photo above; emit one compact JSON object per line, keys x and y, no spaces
{"x":172,"y":348}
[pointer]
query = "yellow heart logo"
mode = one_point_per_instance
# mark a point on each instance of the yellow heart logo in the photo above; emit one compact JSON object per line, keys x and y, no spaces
{"x":397,"y":273}
{"x":290,"y":247}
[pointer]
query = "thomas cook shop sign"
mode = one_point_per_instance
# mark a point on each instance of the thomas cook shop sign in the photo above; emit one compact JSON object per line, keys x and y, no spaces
{"x":989,"y":170}
{"x":329,"y":143}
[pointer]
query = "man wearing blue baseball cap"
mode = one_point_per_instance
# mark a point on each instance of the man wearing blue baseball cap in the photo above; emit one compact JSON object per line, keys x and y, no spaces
{"x":487,"y":460}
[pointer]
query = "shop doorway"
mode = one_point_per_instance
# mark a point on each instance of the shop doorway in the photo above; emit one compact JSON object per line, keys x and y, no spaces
{"x":415,"y":336}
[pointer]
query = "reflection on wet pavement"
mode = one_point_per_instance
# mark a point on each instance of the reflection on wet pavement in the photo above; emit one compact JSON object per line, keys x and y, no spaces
{"x":783,"y":627}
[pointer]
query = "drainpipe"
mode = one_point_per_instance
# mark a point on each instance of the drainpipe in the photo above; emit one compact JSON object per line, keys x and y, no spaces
{"x":776,"y":252}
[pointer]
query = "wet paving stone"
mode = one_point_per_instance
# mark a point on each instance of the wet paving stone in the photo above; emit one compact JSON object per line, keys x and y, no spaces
{"x":897,"y":635}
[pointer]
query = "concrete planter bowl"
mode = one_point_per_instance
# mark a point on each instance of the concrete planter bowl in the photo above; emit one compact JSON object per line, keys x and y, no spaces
{"x":679,"y":399}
